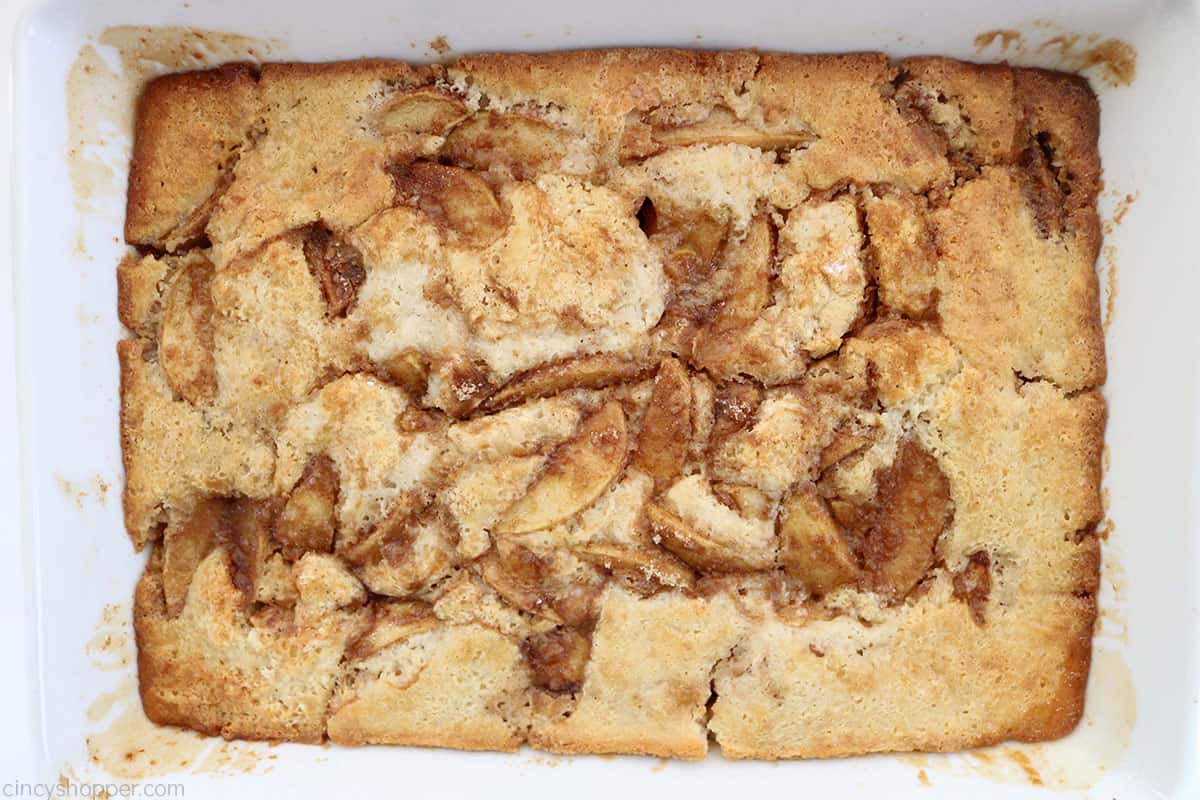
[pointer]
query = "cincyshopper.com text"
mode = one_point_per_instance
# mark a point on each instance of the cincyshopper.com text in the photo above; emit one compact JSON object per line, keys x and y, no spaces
{"x":68,"y":789}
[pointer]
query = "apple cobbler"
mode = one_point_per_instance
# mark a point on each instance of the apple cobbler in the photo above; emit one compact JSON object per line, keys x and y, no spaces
{"x":611,"y":401}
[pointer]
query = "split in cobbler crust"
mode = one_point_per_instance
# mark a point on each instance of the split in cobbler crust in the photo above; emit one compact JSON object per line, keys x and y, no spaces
{"x":604,"y":401}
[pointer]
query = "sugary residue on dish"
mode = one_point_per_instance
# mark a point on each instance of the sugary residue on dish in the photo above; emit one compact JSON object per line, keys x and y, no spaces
{"x":69,"y":490}
{"x":439,"y":45}
{"x":1121,"y":202}
{"x":102,"y":84}
{"x":1112,"y":62}
{"x":123,"y":743}
{"x":534,"y":759}
{"x":1001,"y":37}
{"x":102,"y":705}
{"x":1074,"y":763}
{"x":100,"y":489}
{"x":1123,"y":206}
{"x":69,"y":784}
{"x":233,"y":758}
{"x":660,"y":765}
{"x":1021,"y":760}
{"x":67,"y":775}
{"x":1115,"y":60}
{"x":923,"y":778}
{"x":1113,"y":573}
{"x":131,"y":746}
{"x":78,"y":492}
{"x":86,"y":318}
{"x":1109,"y":254}
{"x":111,"y":638}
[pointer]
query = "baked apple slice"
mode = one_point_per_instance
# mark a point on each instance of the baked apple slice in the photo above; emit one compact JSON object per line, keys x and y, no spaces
{"x":592,"y":371}
{"x":425,"y":110}
{"x":723,"y":127}
{"x":185,"y":545}
{"x":747,"y":273}
{"x":524,"y":145}
{"x":308,"y":520}
{"x":812,"y":547}
{"x":643,"y":563}
{"x":699,"y":549}
{"x":662,"y":443}
{"x":457,"y":200}
{"x":524,"y":578}
{"x":409,"y":370}
{"x":248,"y":538}
{"x":577,"y":473}
{"x":748,"y":265}
{"x":844,"y":444}
{"x":392,"y":621}
{"x":185,"y":340}
{"x":895,"y":533}
{"x":557,"y":659}
{"x":746,"y":500}
{"x":337,"y":266}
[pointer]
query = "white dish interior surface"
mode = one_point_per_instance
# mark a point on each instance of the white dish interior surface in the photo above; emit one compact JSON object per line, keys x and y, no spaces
{"x":1139,"y":736}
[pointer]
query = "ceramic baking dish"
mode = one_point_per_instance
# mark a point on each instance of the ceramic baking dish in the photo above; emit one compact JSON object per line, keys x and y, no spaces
{"x":74,"y":83}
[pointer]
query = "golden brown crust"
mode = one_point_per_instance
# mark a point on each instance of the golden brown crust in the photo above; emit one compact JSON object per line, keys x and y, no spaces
{"x":972,"y":105}
{"x":391,"y":395}
{"x":775,"y":698}
{"x":189,"y":130}
{"x":223,"y":671}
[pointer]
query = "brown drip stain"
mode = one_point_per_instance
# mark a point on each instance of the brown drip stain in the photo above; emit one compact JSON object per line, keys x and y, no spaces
{"x":1115,"y":61}
{"x":1111,"y":61}
{"x":439,"y":45}
{"x":1109,"y":252}
{"x":1005,"y":36}
{"x":1022,"y":760}
{"x":124,"y":743}
{"x":923,"y":778}
{"x":102,"y":86}
{"x":133,"y":747}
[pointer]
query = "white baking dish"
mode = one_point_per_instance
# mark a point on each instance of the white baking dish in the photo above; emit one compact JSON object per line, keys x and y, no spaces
{"x":77,"y":559}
